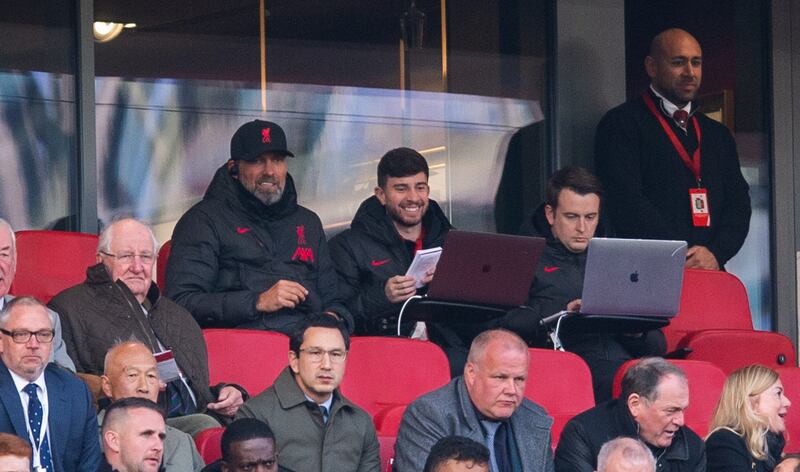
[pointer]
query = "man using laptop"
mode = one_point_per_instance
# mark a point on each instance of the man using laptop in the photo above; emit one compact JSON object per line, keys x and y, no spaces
{"x":568,"y":220}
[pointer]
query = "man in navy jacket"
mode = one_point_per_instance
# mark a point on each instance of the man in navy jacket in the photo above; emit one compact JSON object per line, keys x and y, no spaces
{"x":41,"y":402}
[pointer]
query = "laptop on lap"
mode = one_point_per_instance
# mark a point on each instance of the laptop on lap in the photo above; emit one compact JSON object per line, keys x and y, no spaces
{"x":633,"y":277}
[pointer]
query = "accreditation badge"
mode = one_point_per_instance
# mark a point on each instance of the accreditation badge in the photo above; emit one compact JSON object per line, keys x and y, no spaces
{"x":698,"y":198}
{"x":167,"y":367}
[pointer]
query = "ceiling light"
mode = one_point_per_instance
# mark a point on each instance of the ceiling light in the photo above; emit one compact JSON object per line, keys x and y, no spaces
{"x":105,"y":31}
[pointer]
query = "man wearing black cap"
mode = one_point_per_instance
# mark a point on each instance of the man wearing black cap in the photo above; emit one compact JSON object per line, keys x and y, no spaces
{"x":247,"y":255}
{"x":389,"y":227}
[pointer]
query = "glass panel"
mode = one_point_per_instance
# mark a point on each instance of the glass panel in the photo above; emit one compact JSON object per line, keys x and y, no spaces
{"x":347,"y":81}
{"x":734,"y":39}
{"x":37,"y":112}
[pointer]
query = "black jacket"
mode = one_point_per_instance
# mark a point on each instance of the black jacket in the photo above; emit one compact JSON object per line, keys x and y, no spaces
{"x":559,"y":280}
{"x":727,"y":452}
{"x":230,"y":247}
{"x":99,"y":312}
{"x":647,"y":184}
{"x":585,"y":434}
{"x":371,"y":252}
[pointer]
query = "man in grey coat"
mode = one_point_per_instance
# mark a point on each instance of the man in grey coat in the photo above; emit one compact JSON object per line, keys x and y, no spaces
{"x":316,"y":428}
{"x":486,"y":404}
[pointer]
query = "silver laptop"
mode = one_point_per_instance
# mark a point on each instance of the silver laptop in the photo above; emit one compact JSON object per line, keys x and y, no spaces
{"x":634,"y":277}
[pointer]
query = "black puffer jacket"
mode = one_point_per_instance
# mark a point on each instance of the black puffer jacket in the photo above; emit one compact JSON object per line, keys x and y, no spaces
{"x":371,"y":252}
{"x":230,"y":247}
{"x":99,"y":312}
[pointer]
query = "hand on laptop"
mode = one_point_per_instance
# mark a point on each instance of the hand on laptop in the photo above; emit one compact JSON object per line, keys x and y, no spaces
{"x":699,"y":257}
{"x":400,"y":288}
{"x":574,"y":306}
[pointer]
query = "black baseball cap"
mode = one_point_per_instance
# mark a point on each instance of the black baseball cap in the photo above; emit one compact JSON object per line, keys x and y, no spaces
{"x":257,"y":137}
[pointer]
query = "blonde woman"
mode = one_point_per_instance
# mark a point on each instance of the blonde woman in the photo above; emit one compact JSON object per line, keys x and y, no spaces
{"x":748,"y":424}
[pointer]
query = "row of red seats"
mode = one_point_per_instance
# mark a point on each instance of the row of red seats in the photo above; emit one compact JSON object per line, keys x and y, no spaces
{"x":559,"y":381}
{"x":714,"y":315}
{"x":384,"y":375}
{"x":714,"y":324}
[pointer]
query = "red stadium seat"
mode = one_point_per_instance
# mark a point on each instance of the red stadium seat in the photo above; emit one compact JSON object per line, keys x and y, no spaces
{"x":561,"y":383}
{"x":385,"y":374}
{"x":790,"y":377}
{"x":209,"y":444}
{"x":250,"y":358}
{"x":705,"y":385}
{"x":51,"y":261}
{"x":161,"y":265}
{"x":714,"y":324}
{"x":710,"y":299}
{"x":732,"y":349}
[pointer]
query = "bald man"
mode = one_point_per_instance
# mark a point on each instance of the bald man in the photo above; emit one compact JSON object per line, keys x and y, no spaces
{"x":131,"y":371}
{"x":625,"y":455}
{"x":485,"y":404}
{"x":670,"y":172}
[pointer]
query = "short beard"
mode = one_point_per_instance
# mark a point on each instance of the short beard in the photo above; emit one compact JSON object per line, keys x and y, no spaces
{"x":269,"y":198}
{"x":398,"y":219}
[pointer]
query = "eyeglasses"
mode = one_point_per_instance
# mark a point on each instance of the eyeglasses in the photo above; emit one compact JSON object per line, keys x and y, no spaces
{"x":315,"y":354}
{"x":127,"y":258}
{"x":23,"y":336}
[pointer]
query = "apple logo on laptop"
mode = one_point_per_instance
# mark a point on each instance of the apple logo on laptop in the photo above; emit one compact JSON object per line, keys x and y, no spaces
{"x":635,"y":276}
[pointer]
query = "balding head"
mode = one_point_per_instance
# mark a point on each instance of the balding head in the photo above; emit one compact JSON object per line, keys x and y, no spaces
{"x":625,"y":455}
{"x":127,"y":248}
{"x":130,"y":371}
{"x":674,"y":65}
{"x":496,"y":340}
{"x":496,"y":371}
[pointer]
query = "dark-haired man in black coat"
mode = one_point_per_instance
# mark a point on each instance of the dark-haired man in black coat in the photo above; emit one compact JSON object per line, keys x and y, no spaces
{"x":248,"y":255}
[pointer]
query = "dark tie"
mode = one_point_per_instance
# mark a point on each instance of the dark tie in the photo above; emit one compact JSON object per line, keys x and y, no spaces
{"x":501,"y":449}
{"x":681,"y":117}
{"x":35,"y":414}
{"x":324,"y":412}
{"x":180,"y":400}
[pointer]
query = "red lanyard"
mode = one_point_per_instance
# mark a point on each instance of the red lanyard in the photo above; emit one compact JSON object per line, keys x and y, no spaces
{"x":418,"y":242}
{"x":693,"y":163}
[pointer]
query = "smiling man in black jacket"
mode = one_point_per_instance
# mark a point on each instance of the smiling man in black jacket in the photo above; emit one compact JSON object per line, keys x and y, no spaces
{"x":373,"y":256}
{"x":248,"y":255}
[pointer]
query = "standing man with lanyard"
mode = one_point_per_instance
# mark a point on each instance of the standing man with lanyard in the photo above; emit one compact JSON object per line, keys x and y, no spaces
{"x":669,"y":172}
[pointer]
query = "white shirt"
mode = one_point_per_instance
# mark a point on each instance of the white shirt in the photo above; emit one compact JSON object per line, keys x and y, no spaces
{"x":327,"y":403}
{"x":20,"y":384}
{"x":669,"y":107}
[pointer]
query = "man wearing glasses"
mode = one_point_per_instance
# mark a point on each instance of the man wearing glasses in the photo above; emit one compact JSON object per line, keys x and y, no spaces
{"x":8,"y":270}
{"x":119,"y":301}
{"x":40,"y":402}
{"x":316,"y":428}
